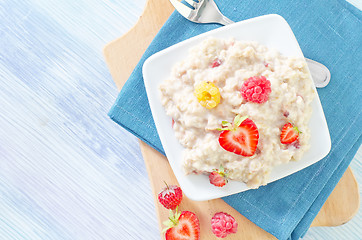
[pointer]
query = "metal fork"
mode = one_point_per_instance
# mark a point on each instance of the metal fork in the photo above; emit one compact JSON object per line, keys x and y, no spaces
{"x":206,"y":11}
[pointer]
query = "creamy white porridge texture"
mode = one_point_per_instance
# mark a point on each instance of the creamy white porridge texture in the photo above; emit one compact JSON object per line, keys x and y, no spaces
{"x":194,"y":125}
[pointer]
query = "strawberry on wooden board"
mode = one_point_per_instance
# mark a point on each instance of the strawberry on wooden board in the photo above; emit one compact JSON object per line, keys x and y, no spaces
{"x":182,"y":226}
{"x":289,"y":133}
{"x":218,"y":177}
{"x":170,"y":196}
{"x":241,"y":137}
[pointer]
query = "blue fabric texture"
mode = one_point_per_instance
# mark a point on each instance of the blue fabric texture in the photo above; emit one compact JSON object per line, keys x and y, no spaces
{"x":329,"y":32}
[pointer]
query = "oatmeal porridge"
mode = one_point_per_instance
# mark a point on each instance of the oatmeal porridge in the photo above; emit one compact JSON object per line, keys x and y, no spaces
{"x":241,"y":106}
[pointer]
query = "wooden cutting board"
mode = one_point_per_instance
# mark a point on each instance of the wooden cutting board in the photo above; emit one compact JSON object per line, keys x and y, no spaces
{"x":121,"y":56}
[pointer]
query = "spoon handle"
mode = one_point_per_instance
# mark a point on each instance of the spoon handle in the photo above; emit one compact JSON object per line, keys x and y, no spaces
{"x":320,"y":73}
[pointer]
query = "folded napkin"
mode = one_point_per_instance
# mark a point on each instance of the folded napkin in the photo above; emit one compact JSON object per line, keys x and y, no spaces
{"x":329,"y":32}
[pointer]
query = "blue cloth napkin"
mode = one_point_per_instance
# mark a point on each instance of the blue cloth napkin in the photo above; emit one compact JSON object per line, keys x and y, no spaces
{"x":329,"y":32}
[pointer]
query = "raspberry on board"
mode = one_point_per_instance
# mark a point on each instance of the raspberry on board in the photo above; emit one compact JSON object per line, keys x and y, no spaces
{"x":223,"y":224}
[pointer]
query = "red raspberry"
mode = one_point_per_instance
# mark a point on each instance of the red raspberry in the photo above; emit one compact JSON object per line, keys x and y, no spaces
{"x":170,"y":196}
{"x":223,"y":224}
{"x":256,"y":89}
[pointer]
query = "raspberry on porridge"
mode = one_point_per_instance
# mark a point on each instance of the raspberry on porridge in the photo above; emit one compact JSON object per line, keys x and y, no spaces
{"x":226,"y":81}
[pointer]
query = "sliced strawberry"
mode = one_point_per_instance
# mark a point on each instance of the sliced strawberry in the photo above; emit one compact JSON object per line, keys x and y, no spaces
{"x":289,"y":133}
{"x":218,"y":177}
{"x":184,"y":226}
{"x":240,"y":138}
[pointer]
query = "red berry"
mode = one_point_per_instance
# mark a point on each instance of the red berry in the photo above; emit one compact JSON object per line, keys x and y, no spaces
{"x":256,"y":89}
{"x":286,"y":114}
{"x":217,"y":62}
{"x":241,"y":138}
{"x":296,"y":144}
{"x":184,"y":226}
{"x":289,"y":134}
{"x":218,"y":177}
{"x":170,"y":196}
{"x":223,"y":224}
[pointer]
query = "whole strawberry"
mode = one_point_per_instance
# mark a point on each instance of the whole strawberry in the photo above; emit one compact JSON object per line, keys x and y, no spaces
{"x":170,"y":196}
{"x":218,"y":177}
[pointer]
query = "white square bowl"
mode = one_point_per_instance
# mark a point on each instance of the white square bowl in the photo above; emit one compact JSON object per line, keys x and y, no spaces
{"x":270,"y":30}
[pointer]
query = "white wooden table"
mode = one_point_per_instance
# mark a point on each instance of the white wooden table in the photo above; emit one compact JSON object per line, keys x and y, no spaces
{"x":66,"y":170}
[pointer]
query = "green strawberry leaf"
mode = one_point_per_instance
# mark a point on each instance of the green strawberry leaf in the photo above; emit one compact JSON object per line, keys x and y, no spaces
{"x":296,"y":129}
{"x":222,"y":129}
{"x":226,"y":123}
{"x":238,"y":120}
{"x":172,"y":219}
